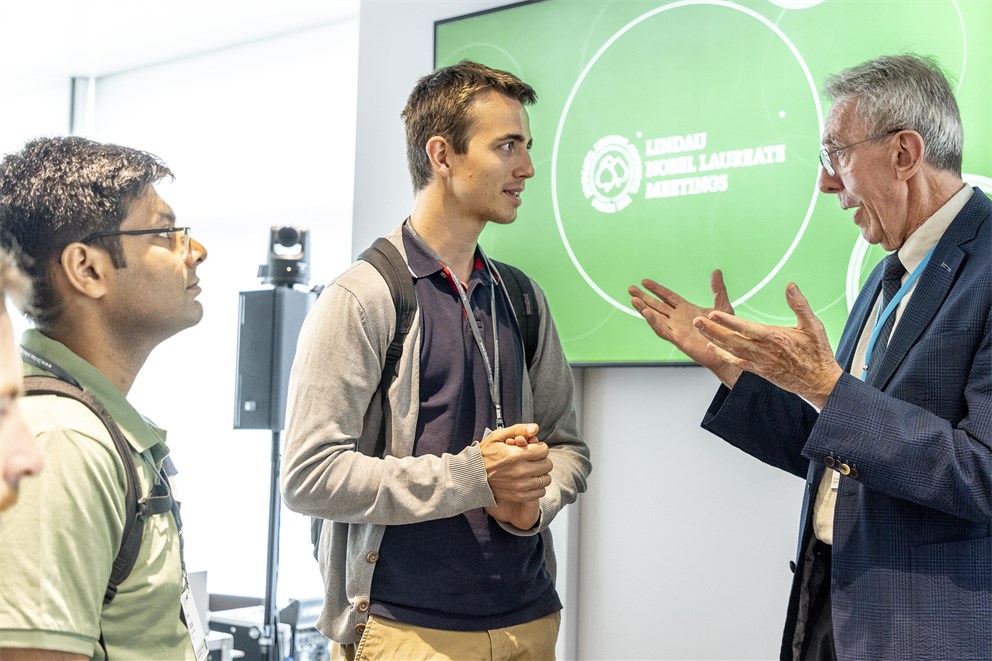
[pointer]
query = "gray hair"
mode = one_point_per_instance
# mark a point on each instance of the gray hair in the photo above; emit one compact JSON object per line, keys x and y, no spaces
{"x":905,"y":92}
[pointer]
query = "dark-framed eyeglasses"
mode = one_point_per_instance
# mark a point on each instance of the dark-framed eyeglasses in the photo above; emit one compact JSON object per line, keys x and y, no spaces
{"x":825,"y":153}
{"x":178,"y":235}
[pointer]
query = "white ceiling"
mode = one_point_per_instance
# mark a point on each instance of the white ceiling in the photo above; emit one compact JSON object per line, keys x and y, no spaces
{"x":42,"y":41}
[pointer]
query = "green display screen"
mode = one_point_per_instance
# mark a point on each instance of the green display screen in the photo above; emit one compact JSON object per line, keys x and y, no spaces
{"x":671,"y":139}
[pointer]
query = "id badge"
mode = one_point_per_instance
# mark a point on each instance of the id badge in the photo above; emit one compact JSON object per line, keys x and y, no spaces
{"x":192,"y":616}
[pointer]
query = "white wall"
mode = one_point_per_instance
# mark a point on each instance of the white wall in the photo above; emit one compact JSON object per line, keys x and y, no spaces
{"x":681,"y":545}
{"x":31,"y":111}
{"x":257,"y":135}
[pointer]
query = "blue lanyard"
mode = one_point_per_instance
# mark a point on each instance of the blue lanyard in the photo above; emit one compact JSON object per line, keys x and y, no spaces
{"x":891,"y":308}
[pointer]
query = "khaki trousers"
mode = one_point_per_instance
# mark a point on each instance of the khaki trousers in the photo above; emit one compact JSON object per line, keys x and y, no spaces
{"x":388,"y":640}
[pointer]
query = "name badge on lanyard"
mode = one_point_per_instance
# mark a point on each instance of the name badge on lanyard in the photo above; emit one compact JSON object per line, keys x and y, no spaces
{"x":192,"y":617}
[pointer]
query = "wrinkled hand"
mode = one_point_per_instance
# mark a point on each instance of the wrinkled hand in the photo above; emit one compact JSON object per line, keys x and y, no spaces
{"x":671,"y":318}
{"x":798,"y":359}
{"x":518,"y":469}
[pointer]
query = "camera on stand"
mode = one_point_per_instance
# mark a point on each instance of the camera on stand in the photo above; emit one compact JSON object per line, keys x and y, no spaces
{"x":289,"y":261}
{"x":269,"y":323}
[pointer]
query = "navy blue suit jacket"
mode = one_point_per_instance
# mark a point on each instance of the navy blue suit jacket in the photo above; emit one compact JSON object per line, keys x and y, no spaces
{"x":912,"y":551}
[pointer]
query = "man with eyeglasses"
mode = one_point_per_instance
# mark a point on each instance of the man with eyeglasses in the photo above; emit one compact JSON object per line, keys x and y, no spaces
{"x":894,"y":434}
{"x":112,"y":277}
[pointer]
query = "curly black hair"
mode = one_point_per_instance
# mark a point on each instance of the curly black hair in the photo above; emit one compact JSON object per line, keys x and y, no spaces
{"x":56,"y":191}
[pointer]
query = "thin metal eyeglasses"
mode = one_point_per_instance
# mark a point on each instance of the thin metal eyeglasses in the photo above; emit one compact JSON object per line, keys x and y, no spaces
{"x":173,"y":231}
{"x":825,"y":153}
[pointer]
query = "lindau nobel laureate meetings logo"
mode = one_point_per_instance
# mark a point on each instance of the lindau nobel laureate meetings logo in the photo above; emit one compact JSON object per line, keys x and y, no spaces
{"x":676,"y":166}
{"x":611,"y":173}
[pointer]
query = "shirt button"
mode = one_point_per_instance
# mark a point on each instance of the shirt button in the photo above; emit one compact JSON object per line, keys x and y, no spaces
{"x":828,"y":461}
{"x":363,"y":605}
{"x":844,"y":469}
{"x":360,"y":628}
{"x":373,"y":556}
{"x":854,"y":473}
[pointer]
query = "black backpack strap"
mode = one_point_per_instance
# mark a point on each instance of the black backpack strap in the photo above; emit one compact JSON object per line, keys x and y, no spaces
{"x":523,"y":302}
{"x":134,"y":511}
{"x":388,"y":261}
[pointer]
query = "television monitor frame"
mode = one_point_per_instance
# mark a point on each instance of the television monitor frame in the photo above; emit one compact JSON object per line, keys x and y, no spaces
{"x":591,"y":109}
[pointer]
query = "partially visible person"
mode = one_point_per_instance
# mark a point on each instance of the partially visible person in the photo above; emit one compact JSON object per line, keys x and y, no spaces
{"x":19,"y":453}
{"x":112,"y":277}
{"x":894,"y":433}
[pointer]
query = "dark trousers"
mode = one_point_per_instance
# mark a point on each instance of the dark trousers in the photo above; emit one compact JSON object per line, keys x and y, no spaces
{"x":813,"y":639}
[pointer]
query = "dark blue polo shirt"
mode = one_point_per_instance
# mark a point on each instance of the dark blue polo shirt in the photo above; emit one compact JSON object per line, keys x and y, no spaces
{"x":464,"y":573}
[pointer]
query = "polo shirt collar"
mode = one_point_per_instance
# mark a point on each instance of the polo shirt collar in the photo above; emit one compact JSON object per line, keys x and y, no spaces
{"x":140,"y":433}
{"x":422,"y":264}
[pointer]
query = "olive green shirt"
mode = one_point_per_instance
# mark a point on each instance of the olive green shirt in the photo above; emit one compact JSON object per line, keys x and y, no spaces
{"x":58,"y":543}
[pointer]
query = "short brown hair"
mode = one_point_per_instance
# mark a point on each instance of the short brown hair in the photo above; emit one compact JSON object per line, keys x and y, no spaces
{"x":439,"y":106}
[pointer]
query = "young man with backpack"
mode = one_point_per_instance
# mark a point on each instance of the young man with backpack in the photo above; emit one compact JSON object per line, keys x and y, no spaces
{"x":90,"y":556}
{"x":438,"y":465}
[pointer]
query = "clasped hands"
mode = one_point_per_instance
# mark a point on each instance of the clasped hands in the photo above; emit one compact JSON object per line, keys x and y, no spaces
{"x":519,"y":471}
{"x":797,"y":358}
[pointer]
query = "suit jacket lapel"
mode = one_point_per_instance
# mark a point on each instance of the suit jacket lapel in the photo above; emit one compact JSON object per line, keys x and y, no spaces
{"x":934,"y":285}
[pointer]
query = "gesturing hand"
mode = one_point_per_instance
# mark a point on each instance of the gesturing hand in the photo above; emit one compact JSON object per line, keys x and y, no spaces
{"x":798,"y":359}
{"x":671,"y":318}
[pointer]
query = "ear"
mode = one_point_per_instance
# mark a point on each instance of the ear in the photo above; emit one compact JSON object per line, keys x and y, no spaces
{"x":907,"y":159}
{"x":84,"y":269}
{"x":439,"y":152}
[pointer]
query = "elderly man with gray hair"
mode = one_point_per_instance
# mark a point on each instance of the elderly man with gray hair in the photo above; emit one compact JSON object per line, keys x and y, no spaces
{"x":893,"y":433}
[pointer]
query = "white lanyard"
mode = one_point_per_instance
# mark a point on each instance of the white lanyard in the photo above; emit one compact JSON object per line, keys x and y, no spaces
{"x":890,"y":310}
{"x":492,"y":371}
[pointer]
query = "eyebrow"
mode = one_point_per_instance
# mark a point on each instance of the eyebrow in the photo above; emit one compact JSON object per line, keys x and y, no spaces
{"x":516,"y":137}
{"x":169,"y":216}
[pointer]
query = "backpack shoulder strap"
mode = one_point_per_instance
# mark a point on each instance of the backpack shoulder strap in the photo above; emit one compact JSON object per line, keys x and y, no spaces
{"x":388,"y":261}
{"x":133,"y":521}
{"x":524,"y":303}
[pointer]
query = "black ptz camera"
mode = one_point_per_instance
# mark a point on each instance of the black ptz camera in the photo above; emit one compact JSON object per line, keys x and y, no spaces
{"x":289,"y":259}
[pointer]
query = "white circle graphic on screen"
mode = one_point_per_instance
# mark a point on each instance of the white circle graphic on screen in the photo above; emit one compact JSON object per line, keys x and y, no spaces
{"x":795,"y":4}
{"x":614,"y":161}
